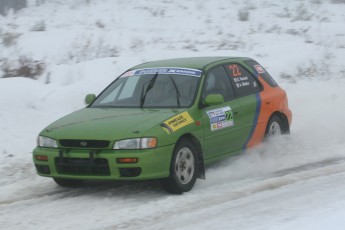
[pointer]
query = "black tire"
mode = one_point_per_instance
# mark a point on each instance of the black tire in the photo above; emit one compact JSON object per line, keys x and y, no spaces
{"x":274,"y":127}
{"x":183,"y":168}
{"x":68,"y":182}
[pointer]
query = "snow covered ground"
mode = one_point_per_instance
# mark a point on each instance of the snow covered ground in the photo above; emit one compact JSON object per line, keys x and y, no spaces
{"x":294,"y":182}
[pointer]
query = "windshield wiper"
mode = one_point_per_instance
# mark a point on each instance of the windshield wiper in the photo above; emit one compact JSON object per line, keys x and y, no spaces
{"x":178,"y":95}
{"x":143,"y":94}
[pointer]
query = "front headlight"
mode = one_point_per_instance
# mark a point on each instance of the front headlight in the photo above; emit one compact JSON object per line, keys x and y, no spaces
{"x":136,"y":143}
{"x":46,"y":142}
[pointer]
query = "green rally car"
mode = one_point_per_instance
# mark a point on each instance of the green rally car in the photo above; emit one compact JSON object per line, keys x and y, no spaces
{"x":165,"y":120}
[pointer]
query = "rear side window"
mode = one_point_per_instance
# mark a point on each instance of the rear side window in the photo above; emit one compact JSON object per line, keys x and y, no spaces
{"x":243,"y":82}
{"x":257,"y":68}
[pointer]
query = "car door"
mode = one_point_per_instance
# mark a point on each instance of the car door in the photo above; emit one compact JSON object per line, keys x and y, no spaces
{"x":246,"y":89}
{"x":222,"y":130}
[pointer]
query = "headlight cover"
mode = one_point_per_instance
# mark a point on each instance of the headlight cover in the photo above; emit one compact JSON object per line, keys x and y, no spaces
{"x":46,"y":142}
{"x":136,"y":143}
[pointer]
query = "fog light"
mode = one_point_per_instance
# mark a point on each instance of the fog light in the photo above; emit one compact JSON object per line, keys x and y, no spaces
{"x":44,"y":169}
{"x":41,"y":158}
{"x":127,"y":160}
{"x":130,"y":172}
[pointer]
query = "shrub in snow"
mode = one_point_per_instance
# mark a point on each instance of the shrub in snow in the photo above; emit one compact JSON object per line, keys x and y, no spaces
{"x":226,"y":44}
{"x":191,"y":46}
{"x":9,"y":38}
{"x":89,"y":49}
{"x":302,"y":14}
{"x":285,"y":13}
{"x":39,"y":26}
{"x":316,"y":1}
{"x":137,"y":45}
{"x":157,"y":12}
{"x":39,"y":2}
{"x":274,"y":29}
{"x":314,"y":69}
{"x":6,"y":5}
{"x":23,"y":67}
{"x":100,"y":24}
{"x":243,"y":15}
{"x":338,"y":1}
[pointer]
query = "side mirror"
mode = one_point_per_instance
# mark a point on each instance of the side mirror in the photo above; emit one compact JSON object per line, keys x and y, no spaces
{"x":90,"y":98}
{"x":214,"y":99}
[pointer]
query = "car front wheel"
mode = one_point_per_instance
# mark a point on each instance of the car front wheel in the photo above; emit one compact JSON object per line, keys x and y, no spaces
{"x":183,"y":169}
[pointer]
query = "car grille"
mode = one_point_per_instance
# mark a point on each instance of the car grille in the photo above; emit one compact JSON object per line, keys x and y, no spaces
{"x":82,"y":166}
{"x":84,"y":143}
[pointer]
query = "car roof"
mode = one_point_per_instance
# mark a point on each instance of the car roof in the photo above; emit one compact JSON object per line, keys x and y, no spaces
{"x":190,"y":62}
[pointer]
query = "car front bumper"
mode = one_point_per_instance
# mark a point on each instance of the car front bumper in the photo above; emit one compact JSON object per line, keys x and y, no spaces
{"x":103,"y":164}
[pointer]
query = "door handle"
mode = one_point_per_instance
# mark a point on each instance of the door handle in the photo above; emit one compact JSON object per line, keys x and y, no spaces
{"x":267,"y":101}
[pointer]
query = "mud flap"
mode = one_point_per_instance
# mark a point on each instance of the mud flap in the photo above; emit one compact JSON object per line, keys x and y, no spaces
{"x":201,"y":166}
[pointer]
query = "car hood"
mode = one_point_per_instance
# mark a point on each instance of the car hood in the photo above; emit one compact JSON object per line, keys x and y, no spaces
{"x":107,"y":123}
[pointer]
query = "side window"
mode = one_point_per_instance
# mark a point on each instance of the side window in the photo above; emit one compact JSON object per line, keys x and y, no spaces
{"x":129,"y":87}
{"x":109,"y":98}
{"x":257,"y":68}
{"x":244,"y":83}
{"x":217,"y":82}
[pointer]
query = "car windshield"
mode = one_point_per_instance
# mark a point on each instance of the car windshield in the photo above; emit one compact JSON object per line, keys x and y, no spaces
{"x":151,"y":88}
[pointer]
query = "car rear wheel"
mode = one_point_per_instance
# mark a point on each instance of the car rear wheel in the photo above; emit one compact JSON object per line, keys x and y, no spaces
{"x":68,"y":182}
{"x":183,"y":169}
{"x":274,"y":127}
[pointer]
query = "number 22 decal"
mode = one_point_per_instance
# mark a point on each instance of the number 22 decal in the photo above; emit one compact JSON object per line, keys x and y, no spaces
{"x":235,"y":70}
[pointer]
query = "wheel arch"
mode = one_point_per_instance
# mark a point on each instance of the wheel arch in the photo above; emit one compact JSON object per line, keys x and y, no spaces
{"x":201,"y":166}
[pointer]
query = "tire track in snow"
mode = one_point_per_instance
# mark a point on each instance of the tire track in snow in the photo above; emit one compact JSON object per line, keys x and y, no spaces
{"x":90,"y":188}
{"x":208,"y":199}
{"x":63,"y":192}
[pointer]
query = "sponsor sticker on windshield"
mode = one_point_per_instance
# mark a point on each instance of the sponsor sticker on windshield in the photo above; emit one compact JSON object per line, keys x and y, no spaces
{"x":164,"y":70}
{"x":220,"y":118}
{"x":176,"y":122}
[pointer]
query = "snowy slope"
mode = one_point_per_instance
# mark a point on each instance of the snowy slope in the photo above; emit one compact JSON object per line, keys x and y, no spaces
{"x":295,"y":182}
